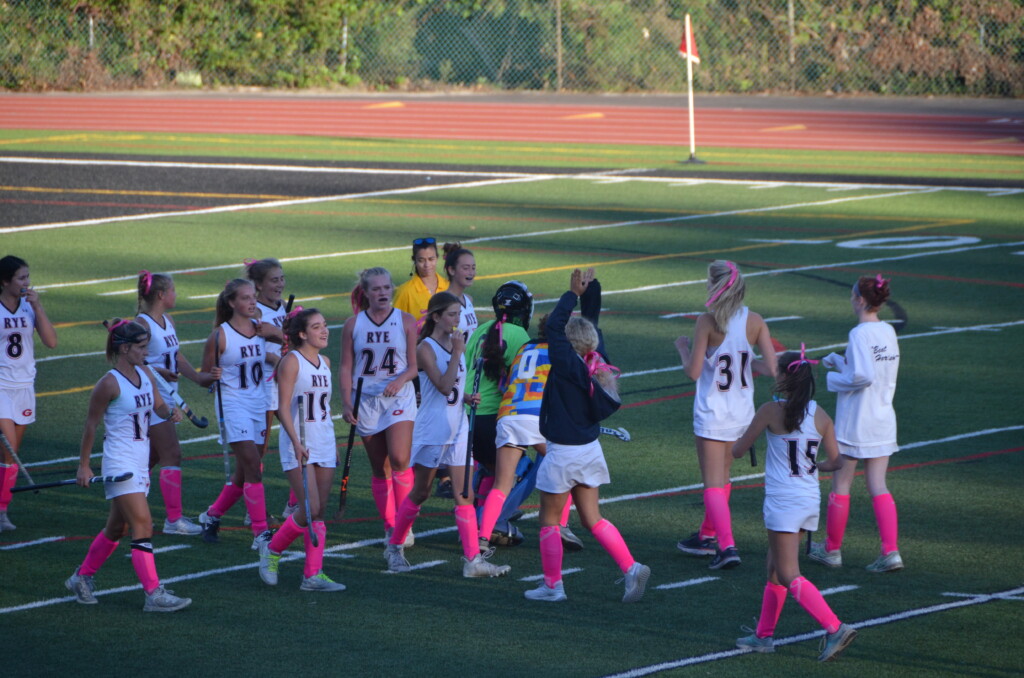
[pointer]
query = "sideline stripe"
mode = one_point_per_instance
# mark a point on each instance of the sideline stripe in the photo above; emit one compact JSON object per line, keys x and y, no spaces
{"x":688,"y":582}
{"x":538,"y":577}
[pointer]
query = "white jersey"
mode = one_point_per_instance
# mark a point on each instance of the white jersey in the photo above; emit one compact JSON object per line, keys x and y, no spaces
{"x":467,"y":320}
{"x":313,"y":383}
{"x":441,"y":418}
{"x":126,"y":426}
{"x":724,"y":403}
{"x":866,"y":384}
{"x":789,"y":468}
{"x":273,"y":317}
{"x":162,"y":351}
{"x":242,"y":367}
{"x":379,"y":352}
{"x":17,"y":347}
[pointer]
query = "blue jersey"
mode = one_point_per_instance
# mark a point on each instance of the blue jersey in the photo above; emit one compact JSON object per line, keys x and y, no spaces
{"x":526,"y":380}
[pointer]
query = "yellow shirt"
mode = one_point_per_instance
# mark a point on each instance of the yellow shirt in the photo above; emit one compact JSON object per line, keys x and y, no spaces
{"x":413,"y":297}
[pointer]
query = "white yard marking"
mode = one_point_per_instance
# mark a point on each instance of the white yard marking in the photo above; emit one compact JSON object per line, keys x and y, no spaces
{"x":538,"y":577}
{"x":164,"y":549}
{"x":419,"y":566}
{"x":688,"y":582}
{"x":838,"y":589}
{"x":24,"y":544}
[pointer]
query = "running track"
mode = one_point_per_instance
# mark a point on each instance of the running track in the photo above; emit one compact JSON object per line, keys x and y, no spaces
{"x":593,"y":120}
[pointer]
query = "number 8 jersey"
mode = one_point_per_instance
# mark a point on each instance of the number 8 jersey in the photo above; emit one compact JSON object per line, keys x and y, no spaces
{"x":379,"y":352}
{"x":17,"y":355}
{"x":724,"y":403}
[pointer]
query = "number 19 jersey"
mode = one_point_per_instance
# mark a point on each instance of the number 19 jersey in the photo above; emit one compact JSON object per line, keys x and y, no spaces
{"x":379,"y":351}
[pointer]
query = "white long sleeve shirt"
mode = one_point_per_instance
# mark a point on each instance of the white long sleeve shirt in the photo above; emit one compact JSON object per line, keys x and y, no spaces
{"x":866,"y":384}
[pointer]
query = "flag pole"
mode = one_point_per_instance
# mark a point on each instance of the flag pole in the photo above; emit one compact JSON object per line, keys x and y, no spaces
{"x":689,"y":88}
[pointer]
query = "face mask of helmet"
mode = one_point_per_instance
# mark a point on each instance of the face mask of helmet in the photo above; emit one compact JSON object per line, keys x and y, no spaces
{"x":514,"y":302}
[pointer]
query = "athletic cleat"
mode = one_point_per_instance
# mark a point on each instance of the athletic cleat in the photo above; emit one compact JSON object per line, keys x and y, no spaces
{"x":182,"y":526}
{"x":82,"y":586}
{"x":320,"y":582}
{"x":725,"y":559}
{"x":479,"y":567}
{"x":289,"y":509}
{"x":444,"y":489}
{"x":697,"y":545}
{"x":269,"y":563}
{"x":5,"y":523}
{"x":162,"y":600}
{"x":510,"y":536}
{"x":210,"y":525}
{"x":834,"y":643}
{"x":394,"y":554}
{"x":636,"y":582}
{"x":819,"y":554}
{"x":265,"y":535}
{"x":754,"y":642}
{"x":551,"y":594}
{"x":890,"y":562}
{"x":247,"y":521}
{"x":570,"y":542}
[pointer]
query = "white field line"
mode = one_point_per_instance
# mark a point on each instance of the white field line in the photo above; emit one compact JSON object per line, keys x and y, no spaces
{"x":538,"y":577}
{"x":688,"y":582}
{"x":838,"y":589}
{"x":419,"y":566}
{"x":977,"y":599}
{"x":35,"y":542}
{"x":164,"y":549}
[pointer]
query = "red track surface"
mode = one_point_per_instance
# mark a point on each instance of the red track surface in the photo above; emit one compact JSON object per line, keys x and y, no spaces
{"x":517,"y":122}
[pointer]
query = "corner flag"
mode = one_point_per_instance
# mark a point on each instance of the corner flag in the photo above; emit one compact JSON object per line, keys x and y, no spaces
{"x":688,"y":50}
{"x":688,"y":47}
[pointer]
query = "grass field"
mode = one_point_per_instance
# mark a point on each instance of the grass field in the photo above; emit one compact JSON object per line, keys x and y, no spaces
{"x":955,"y":259}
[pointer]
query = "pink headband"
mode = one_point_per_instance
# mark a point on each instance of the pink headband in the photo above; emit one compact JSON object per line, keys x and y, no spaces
{"x":147,"y":281}
{"x":733,"y":273}
{"x":795,"y":365}
{"x":117,"y":324}
{"x":294,"y":312}
{"x":596,"y":364}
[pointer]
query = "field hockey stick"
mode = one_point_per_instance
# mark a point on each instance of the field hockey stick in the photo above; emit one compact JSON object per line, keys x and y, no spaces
{"x":620,"y":433}
{"x":225,"y":448}
{"x":808,"y":548}
{"x":478,"y":365}
{"x":342,"y":506}
{"x":17,"y":459}
{"x":305,"y":481}
{"x":288,"y":304}
{"x":180,"y":402}
{"x":753,"y":456}
{"x":72,"y":481}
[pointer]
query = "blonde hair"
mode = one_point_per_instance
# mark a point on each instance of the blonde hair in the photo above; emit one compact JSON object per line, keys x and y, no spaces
{"x":582,"y":334}
{"x":727,"y":299}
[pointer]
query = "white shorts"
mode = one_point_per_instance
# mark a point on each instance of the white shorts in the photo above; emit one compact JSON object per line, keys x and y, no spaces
{"x":791,"y":514}
{"x":139,"y":482}
{"x":518,"y":431}
{"x":18,"y":404}
{"x":726,"y":435}
{"x":378,"y":413}
{"x":245,"y":428}
{"x":323,"y":457}
{"x":868,"y":451}
{"x":566,"y":466}
{"x":434,"y":456}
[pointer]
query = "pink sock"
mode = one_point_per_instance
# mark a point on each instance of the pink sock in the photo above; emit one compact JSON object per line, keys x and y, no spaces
{"x":484,"y":490}
{"x":170,"y":488}
{"x":565,"y":511}
{"x":256,"y":504}
{"x":405,"y":516}
{"x":835,"y":525}
{"x":228,"y":496}
{"x":771,"y":607}
{"x":707,"y":528}
{"x":888,"y":528}
{"x":465,"y":520}
{"x":145,"y":564}
{"x":716,"y":503}
{"x":608,"y":536}
{"x":100,"y":549}
{"x":8,"y":476}
{"x":285,"y":535}
{"x":401,"y":486}
{"x":315,"y":554}
{"x":292,"y":499}
{"x":492,"y":509}
{"x":810,"y":598}
{"x":551,"y":554}
{"x":381,"y":490}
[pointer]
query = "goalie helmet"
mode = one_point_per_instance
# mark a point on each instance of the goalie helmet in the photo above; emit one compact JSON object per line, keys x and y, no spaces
{"x":514,"y":302}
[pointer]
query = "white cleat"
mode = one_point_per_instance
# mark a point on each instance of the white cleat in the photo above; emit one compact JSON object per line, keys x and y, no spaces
{"x":479,"y":567}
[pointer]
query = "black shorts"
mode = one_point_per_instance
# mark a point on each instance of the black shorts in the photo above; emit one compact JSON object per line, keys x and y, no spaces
{"x":485,"y":432}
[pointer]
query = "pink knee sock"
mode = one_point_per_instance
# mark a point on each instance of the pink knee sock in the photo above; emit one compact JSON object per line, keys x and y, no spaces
{"x":292,"y":499}
{"x":888,"y":527}
{"x":229,"y":494}
{"x":170,"y":488}
{"x":401,"y":486}
{"x":484,"y":490}
{"x":256,"y":503}
{"x":100,"y":549}
{"x":144,"y":564}
{"x":608,"y":536}
{"x":314,"y":554}
{"x":810,"y":598}
{"x":838,"y":515}
{"x":381,"y":490}
{"x":8,"y":476}
{"x":492,"y":509}
{"x":285,"y":535}
{"x":771,"y":607}
{"x":707,"y":528}
{"x":465,"y":520}
{"x":565,"y":511}
{"x":551,"y":554}
{"x":405,"y":516}
{"x":716,"y":503}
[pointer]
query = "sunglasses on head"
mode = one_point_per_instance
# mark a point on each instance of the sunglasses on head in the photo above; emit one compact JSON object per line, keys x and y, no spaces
{"x":423,"y":241}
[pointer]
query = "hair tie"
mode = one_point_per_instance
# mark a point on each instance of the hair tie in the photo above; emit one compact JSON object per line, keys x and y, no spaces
{"x":803,"y":359}
{"x":294,"y":312}
{"x":595,"y":363}
{"x":733,"y":273}
{"x":119,"y":323}
{"x":248,"y":262}
{"x":879,"y":281}
{"x":147,"y":281}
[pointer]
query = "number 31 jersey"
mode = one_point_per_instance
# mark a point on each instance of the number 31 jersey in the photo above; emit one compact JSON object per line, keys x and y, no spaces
{"x":724,"y":403}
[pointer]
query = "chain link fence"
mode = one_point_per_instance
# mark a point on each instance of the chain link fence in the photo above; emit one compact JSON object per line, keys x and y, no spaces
{"x":901,"y":47}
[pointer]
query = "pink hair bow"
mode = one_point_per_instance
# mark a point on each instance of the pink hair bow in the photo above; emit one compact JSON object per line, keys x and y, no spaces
{"x":294,"y":312}
{"x":733,"y":273}
{"x":596,"y":364}
{"x":249,"y":262}
{"x":147,"y":280}
{"x":879,"y":281}
{"x":803,"y":359}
